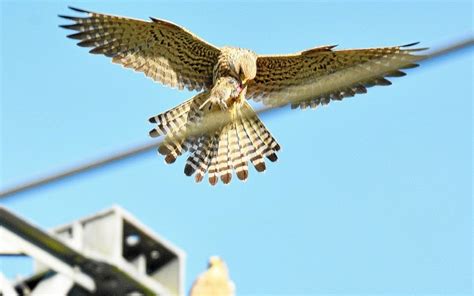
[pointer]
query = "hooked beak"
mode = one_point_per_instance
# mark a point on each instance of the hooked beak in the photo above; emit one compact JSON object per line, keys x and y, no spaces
{"x":243,"y":79}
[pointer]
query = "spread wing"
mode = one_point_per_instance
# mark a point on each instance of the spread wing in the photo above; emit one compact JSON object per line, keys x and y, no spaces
{"x":319,"y":75}
{"x":161,"y":50}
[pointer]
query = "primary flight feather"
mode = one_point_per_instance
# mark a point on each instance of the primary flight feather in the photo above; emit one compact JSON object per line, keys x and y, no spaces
{"x":227,"y":77}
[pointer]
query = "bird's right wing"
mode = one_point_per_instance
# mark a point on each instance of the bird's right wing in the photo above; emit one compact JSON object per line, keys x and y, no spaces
{"x":161,"y":50}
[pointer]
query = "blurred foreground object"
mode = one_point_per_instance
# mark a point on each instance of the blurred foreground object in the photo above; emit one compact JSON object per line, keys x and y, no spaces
{"x":214,"y":281}
{"x":109,"y":253}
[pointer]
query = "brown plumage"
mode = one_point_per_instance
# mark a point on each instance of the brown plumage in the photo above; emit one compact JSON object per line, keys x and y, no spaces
{"x":217,"y":127}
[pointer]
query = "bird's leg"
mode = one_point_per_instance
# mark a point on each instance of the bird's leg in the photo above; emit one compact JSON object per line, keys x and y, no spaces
{"x":219,"y":94}
{"x":222,"y":103}
{"x":208,"y":101}
{"x":226,"y":92}
{"x":214,"y":101}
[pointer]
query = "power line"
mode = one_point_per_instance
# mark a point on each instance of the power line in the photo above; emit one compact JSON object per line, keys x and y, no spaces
{"x":331,"y":82}
{"x":79,"y":168}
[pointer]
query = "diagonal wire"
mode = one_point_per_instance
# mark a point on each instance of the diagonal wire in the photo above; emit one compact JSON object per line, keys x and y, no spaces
{"x":331,"y":82}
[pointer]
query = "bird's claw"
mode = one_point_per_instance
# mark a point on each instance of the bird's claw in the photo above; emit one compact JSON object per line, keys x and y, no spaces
{"x":214,"y":101}
{"x":223,"y":105}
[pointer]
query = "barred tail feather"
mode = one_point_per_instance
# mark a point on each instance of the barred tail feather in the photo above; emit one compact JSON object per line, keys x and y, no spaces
{"x":169,"y":120}
{"x":223,"y":163}
{"x":204,"y":164}
{"x":171,"y":149}
{"x":271,"y":147}
{"x":238,"y":152}
{"x":196,"y":156}
{"x":213,"y":163}
{"x":173,"y":124}
{"x":256,"y":147}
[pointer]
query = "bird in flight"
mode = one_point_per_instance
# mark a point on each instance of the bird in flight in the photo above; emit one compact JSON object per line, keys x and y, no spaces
{"x":218,"y":127}
{"x":214,"y":281}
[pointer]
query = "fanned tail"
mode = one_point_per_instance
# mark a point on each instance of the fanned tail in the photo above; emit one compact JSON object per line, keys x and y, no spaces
{"x":218,"y":152}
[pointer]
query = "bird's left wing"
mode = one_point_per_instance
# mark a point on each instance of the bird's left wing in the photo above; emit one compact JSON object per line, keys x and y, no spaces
{"x":163,"y":51}
{"x":319,"y":75}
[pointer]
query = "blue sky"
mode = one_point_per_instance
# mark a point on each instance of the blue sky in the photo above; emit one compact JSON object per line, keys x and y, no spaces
{"x":370,"y":195}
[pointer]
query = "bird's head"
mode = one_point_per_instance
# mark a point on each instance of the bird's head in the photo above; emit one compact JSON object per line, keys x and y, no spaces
{"x":216,"y":262}
{"x":245,"y":65}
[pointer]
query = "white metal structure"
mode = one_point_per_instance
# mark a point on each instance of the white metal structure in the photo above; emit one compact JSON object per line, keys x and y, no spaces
{"x":107,"y":253}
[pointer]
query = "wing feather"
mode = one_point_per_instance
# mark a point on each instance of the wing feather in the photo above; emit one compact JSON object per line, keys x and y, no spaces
{"x":319,"y":75}
{"x":163,"y":51}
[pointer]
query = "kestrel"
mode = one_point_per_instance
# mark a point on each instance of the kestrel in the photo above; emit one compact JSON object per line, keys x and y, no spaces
{"x":227,"y":77}
{"x":214,"y":281}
